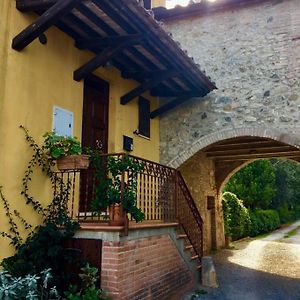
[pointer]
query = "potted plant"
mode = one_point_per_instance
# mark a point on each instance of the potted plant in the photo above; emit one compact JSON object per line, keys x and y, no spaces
{"x":109,"y":172}
{"x":66,"y":151}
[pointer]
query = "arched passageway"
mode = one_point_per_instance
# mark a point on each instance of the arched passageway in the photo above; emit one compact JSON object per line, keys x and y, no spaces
{"x":208,"y":164}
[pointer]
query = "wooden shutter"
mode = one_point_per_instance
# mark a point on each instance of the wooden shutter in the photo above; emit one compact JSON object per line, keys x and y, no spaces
{"x":147,"y":4}
{"x":144,"y":117}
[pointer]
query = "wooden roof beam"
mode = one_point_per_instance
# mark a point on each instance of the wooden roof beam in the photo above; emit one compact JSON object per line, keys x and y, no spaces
{"x":46,"y":20}
{"x":148,"y":84}
{"x":166,"y":107}
{"x":106,"y":55}
{"x":34,"y":5}
{"x":108,"y":41}
{"x":165,"y":93}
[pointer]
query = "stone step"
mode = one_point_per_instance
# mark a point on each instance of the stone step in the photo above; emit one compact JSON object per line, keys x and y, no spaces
{"x":194,"y":257}
{"x":181,"y":236}
{"x":189,"y":247}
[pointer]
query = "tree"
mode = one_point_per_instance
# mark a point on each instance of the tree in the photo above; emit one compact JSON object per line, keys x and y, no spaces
{"x":254,"y":184}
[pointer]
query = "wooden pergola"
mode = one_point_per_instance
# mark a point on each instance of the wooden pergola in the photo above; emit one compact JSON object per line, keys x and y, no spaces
{"x":124,"y":34}
{"x":250,"y":148}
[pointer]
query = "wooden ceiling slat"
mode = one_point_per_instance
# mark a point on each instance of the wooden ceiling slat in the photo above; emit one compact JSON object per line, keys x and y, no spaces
{"x":75,"y":29}
{"x":158,"y":91}
{"x":143,"y":61}
{"x":150,"y":56}
{"x":250,"y":151}
{"x":145,"y":86}
{"x":181,"y":84}
{"x":73,"y":18}
{"x":250,"y":145}
{"x":242,"y":140}
{"x":93,"y":20}
{"x":123,"y":63}
{"x":127,"y":74}
{"x":177,"y":84}
{"x":96,"y":9}
{"x":68,"y":30}
{"x":257,"y":156}
{"x":105,"y":41}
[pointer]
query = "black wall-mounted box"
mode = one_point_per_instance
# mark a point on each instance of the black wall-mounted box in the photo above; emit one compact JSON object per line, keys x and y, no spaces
{"x":127,"y":143}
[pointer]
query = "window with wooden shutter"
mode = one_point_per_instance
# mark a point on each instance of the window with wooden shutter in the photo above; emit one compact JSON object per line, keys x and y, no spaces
{"x":144,"y":117}
{"x":147,"y":4}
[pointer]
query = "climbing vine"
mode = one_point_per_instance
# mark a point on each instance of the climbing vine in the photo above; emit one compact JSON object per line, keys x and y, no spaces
{"x":44,"y":246}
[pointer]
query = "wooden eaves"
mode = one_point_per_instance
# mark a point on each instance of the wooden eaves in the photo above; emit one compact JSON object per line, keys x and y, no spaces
{"x":123,"y":33}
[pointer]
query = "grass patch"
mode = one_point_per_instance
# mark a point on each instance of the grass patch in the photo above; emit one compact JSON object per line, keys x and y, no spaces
{"x":292,"y":232}
{"x":263,"y":235}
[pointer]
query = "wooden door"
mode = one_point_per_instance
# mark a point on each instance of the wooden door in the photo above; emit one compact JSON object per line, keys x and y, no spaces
{"x":95,"y":113}
{"x":83,"y":251}
{"x":94,"y":129}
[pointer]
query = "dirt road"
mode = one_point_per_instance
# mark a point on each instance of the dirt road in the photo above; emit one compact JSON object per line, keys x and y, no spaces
{"x":259,"y":269}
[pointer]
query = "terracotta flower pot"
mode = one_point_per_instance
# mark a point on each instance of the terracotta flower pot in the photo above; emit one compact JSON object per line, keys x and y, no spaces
{"x":116,"y":216}
{"x":73,"y":162}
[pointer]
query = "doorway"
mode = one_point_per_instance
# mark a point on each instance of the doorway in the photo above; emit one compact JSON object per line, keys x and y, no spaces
{"x":94,"y":130}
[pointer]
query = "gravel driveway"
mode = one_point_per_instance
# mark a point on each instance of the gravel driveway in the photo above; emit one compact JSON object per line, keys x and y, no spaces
{"x":258,"y":269}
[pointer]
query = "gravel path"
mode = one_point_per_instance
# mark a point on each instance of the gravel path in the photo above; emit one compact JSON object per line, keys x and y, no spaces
{"x":258,"y":269}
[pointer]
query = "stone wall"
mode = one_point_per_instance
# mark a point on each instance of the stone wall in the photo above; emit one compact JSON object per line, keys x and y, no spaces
{"x":198,"y":172}
{"x":253,"y":55}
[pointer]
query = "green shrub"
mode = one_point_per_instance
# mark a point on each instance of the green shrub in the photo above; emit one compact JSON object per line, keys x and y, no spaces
{"x":285,"y":214}
{"x":236,"y":216}
{"x":263,"y":221}
{"x":42,"y":250}
{"x":29,"y":287}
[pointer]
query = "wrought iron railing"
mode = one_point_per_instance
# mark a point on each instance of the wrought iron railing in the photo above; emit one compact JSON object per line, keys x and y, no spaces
{"x":161,"y":193}
{"x":189,"y":217}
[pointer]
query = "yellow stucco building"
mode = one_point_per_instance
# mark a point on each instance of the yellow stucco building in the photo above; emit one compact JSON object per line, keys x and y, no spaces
{"x":121,"y":55}
{"x":36,"y":80}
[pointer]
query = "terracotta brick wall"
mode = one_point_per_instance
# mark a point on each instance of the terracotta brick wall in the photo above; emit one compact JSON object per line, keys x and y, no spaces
{"x":147,"y":268}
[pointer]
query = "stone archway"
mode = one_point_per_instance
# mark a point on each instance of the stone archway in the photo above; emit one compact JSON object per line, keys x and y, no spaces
{"x":207,"y":140}
{"x":208,"y":163}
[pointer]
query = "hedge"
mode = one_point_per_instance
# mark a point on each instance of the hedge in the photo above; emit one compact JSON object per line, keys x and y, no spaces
{"x":240,"y":222}
{"x":236,"y":216}
{"x":263,"y":221}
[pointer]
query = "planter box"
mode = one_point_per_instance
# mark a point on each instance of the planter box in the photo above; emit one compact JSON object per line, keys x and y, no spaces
{"x":116,"y":216}
{"x":73,"y":162}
